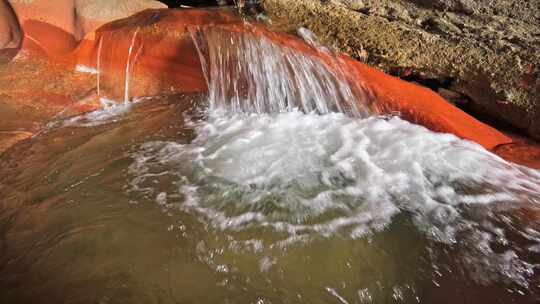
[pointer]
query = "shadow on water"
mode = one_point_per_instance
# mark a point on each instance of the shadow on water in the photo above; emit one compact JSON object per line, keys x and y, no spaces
{"x":106,"y":213}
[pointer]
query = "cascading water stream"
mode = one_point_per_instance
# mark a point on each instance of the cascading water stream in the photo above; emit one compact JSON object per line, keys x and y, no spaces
{"x":129,"y":65}
{"x":256,"y":88}
{"x":98,"y":65}
{"x":285,"y":188}
{"x":247,"y":73}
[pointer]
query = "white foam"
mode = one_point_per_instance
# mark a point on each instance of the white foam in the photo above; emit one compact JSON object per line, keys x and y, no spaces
{"x":110,"y":111}
{"x":247,"y":73}
{"x":86,"y":69}
{"x":331,"y":174}
{"x":307,"y":175}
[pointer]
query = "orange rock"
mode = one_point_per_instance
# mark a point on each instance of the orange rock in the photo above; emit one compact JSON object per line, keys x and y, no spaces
{"x":9,"y":138}
{"x":92,"y":14}
{"x":10,"y":31}
{"x":163,"y":57}
{"x":423,"y":106}
{"x":48,"y":39}
{"x":61,"y":14}
{"x":9,"y":27}
{"x":167,"y":56}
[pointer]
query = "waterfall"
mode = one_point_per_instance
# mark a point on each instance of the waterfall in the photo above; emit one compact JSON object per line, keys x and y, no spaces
{"x":251,"y":73}
{"x":98,"y":65}
{"x":129,"y":63}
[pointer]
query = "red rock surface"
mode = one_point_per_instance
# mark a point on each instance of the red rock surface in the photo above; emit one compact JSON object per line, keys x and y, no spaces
{"x":169,"y":55}
{"x":164,"y":60}
{"x":50,"y":40}
{"x":10,"y":31}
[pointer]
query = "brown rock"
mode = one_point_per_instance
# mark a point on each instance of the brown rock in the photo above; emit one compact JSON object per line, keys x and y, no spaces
{"x":61,"y":15}
{"x":487,"y":46}
{"x":163,"y":35}
{"x":452,"y":96}
{"x":10,"y":32}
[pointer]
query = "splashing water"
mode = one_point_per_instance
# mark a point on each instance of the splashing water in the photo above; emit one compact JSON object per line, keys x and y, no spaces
{"x":110,"y":109}
{"x":301,"y":168}
{"x":253,"y":74}
{"x":332,"y":174}
{"x":305,"y":176}
{"x":98,"y":65}
{"x":86,"y":69}
{"x":131,"y":60}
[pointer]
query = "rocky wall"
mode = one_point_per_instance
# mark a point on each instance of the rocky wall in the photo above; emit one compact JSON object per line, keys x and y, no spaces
{"x":484,"y":50}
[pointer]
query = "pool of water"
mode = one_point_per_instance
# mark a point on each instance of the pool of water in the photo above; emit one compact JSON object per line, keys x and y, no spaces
{"x":163,"y":201}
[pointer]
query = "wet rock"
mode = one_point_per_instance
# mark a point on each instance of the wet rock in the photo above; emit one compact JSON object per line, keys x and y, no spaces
{"x":522,"y":151}
{"x":61,"y":15}
{"x":93,"y":13}
{"x":69,"y":21}
{"x":488,"y":47}
{"x":10,"y":32}
{"x":157,"y":37}
{"x":32,"y":92}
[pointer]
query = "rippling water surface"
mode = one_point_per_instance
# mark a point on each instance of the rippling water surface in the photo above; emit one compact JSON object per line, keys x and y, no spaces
{"x":165,"y":202}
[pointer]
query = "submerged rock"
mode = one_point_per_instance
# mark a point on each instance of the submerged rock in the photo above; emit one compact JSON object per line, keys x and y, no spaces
{"x":154,"y":53}
{"x":152,"y":41}
{"x":94,"y":13}
{"x":487,"y":48}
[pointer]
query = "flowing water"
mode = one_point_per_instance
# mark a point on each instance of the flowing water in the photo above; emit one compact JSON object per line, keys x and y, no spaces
{"x":247,"y":73}
{"x":274,"y":188}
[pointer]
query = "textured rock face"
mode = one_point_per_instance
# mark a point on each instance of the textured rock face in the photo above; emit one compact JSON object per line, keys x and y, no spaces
{"x":94,"y":13}
{"x":10,"y":32}
{"x":157,"y":37}
{"x":77,"y":17}
{"x":487,"y":50}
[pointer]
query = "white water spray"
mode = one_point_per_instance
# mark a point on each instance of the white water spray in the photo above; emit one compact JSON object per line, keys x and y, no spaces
{"x":331,"y":173}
